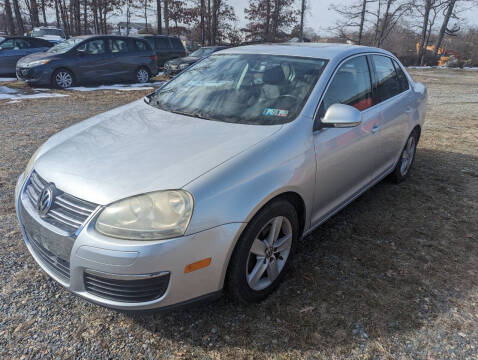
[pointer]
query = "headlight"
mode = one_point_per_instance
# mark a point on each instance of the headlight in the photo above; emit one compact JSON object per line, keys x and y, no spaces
{"x":152,"y":216}
{"x":38,"y":62}
{"x":183,"y":66}
{"x":31,"y":163}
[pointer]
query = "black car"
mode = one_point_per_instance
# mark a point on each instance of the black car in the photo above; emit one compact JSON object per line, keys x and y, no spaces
{"x":90,"y":59}
{"x":166,"y":47}
{"x":15,"y":47}
{"x":175,"y":66}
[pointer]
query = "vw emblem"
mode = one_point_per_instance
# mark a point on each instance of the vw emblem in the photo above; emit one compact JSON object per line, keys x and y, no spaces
{"x":45,"y":200}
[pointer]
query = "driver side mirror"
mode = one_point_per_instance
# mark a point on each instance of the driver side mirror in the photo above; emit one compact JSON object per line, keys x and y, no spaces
{"x":341,"y":116}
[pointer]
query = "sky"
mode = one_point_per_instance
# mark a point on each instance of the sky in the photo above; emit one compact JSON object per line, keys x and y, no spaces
{"x":320,"y":18}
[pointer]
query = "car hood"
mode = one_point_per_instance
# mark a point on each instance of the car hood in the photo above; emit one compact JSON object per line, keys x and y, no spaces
{"x":35,"y":56}
{"x":137,"y":148}
{"x":184,"y":60}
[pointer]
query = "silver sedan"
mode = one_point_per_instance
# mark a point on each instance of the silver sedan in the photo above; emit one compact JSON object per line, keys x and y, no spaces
{"x":210,"y":182}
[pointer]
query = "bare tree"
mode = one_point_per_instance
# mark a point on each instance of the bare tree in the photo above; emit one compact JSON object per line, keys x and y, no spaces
{"x":385,"y":22}
{"x":302,"y":15}
{"x":428,"y":10}
{"x":18,"y":17}
{"x":351,"y":27}
{"x":166,"y":16}
{"x":444,"y":26}
{"x":158,"y":17}
{"x":9,"y":17}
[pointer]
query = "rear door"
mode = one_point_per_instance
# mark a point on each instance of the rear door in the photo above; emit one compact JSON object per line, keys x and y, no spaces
{"x":123,"y":58}
{"x":94,"y":60}
{"x":346,"y":157}
{"x":392,"y":97}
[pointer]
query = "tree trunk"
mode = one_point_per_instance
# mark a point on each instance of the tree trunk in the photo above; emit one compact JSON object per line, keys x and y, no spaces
{"x":302,"y":13}
{"x":215,"y":11}
{"x":209,"y":26}
{"x":444,"y":25}
{"x":362,"y":20}
{"x":146,"y":14}
{"x":9,"y":18}
{"x":18,"y":17}
{"x":203,"y":24}
{"x":57,"y":13}
{"x":158,"y":17}
{"x":85,"y":16}
{"x":426,"y":15}
{"x":275,"y":20}
{"x":166,"y":16}
{"x":385,"y":24}
{"x":34,"y":13}
{"x":45,"y":22}
{"x":267,"y":29}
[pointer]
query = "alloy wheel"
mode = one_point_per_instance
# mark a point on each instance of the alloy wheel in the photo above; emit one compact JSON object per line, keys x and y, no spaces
{"x":142,"y":75}
{"x":63,"y":79}
{"x":407,"y":156}
{"x":269,"y":252}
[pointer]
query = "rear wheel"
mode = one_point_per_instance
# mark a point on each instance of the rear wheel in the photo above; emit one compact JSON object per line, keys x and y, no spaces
{"x":62,"y":79}
{"x":402,"y":169}
{"x":142,"y":75}
{"x":263,"y":253}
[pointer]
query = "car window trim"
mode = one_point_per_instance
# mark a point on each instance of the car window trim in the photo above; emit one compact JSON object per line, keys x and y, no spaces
{"x":317,"y":127}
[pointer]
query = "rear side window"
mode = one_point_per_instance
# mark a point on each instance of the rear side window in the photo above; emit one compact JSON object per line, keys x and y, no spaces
{"x":177,"y":44}
{"x":118,"y":46}
{"x":351,"y":85}
{"x":142,"y":45}
{"x":386,"y":82}
{"x":163,"y":43}
{"x":37,"y":43}
{"x":402,"y":78}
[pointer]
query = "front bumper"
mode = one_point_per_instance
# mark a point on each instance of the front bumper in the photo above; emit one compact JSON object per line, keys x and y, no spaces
{"x":160,"y":264}
{"x":38,"y":74}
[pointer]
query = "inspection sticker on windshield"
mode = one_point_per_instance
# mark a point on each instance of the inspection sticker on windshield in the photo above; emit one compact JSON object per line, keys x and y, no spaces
{"x":275,"y":112}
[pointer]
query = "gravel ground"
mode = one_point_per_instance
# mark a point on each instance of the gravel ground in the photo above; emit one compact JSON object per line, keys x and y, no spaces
{"x":393,"y":276}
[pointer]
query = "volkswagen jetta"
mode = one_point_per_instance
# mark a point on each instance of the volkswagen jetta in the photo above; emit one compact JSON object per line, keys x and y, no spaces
{"x":210,"y":182}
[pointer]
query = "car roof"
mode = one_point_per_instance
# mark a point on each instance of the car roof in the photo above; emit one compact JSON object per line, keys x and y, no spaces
{"x":315,"y":50}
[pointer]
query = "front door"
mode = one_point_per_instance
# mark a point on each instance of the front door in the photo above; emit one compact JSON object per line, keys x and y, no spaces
{"x":94,"y":60}
{"x":346,"y":157}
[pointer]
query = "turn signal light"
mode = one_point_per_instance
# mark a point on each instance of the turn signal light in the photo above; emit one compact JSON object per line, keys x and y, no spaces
{"x":197,"y":265}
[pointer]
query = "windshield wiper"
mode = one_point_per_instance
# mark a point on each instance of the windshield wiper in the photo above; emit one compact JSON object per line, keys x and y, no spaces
{"x":193,"y":114}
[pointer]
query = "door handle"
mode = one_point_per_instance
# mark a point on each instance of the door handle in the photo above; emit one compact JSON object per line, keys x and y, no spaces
{"x":375,"y":129}
{"x":409,"y":110}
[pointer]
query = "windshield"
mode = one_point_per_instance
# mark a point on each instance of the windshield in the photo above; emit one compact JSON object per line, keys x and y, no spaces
{"x":240,"y":88}
{"x":202,"y":52}
{"x":43,"y":32}
{"x":64,"y":46}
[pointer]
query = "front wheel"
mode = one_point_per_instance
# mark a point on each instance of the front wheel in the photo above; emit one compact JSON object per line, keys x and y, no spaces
{"x":263,"y":252}
{"x":402,"y":169}
{"x":142,"y":75}
{"x":62,"y":79}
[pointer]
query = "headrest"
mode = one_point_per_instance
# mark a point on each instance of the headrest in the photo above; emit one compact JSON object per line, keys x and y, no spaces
{"x":274,"y":75}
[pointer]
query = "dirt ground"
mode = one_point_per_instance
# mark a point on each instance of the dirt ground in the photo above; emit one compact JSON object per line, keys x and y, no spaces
{"x":392,"y":276}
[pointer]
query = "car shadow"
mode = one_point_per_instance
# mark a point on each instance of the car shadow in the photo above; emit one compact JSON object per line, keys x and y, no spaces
{"x":394,"y":259}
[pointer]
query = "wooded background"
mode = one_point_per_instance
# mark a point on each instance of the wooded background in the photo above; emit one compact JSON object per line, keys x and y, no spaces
{"x":415,"y":30}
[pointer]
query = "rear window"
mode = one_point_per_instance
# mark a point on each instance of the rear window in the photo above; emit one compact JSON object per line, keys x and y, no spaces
{"x":163,"y":43}
{"x":177,"y":44}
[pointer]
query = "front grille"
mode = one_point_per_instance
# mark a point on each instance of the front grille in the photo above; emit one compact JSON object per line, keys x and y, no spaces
{"x":58,"y":265}
{"x":24,"y":73}
{"x":136,"y":290}
{"x":67,"y":212}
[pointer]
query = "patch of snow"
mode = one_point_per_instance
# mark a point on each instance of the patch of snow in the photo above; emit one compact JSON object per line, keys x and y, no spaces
{"x":7,"y":79}
{"x":119,"y":87}
{"x":7,"y":93}
{"x":7,"y":90}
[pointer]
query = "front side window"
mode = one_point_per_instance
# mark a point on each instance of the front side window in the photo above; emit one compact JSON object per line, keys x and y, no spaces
{"x":242,"y":88}
{"x":351,"y":85}
{"x":118,"y":46}
{"x":64,"y":46}
{"x":386,"y":82}
{"x":93,"y":47}
{"x":15,"y":44}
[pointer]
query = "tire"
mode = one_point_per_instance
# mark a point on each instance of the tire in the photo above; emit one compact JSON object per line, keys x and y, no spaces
{"x":142,"y":75}
{"x":241,"y":283}
{"x":62,"y":79}
{"x":407,"y":157}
